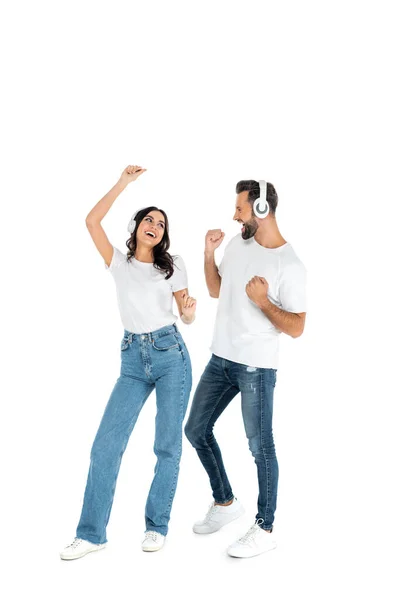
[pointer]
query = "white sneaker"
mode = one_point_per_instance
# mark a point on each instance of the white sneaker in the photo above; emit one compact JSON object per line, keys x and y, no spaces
{"x":218,"y":516}
{"x":153,"y":541}
{"x":255,"y":541}
{"x":79,"y":548}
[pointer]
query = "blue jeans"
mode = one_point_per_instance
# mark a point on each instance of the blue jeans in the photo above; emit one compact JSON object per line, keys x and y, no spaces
{"x":220,"y":382}
{"x":159,"y":360}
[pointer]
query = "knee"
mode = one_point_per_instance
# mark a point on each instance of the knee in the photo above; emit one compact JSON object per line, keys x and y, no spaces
{"x":105,"y":448}
{"x":194,"y":435}
{"x":189,"y":432}
{"x":170,"y":453}
{"x":98,"y":449}
{"x":98,"y":456}
{"x":262,"y":448}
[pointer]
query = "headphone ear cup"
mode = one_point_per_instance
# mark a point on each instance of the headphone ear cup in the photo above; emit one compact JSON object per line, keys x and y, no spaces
{"x":256,"y":208}
{"x":132,"y":224}
{"x":259,"y":212}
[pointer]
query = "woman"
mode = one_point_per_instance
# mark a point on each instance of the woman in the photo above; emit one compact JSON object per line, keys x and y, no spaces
{"x":153,"y":356}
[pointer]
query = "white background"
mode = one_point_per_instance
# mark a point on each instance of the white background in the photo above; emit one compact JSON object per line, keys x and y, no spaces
{"x":303,"y":94}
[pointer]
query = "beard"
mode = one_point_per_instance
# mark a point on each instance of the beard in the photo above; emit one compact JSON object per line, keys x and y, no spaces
{"x":250,"y":229}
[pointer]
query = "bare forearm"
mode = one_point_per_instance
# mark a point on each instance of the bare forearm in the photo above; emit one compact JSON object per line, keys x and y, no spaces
{"x":100,"y":210}
{"x":213,"y":278}
{"x":290,"y":323}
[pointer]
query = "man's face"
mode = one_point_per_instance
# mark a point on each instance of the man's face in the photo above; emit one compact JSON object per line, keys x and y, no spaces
{"x":243,"y":215}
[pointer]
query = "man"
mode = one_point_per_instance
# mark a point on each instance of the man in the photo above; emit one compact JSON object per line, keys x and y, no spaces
{"x":260,"y":284}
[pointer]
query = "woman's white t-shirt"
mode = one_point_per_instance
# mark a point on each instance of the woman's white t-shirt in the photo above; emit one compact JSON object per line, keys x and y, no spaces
{"x":145,"y":297}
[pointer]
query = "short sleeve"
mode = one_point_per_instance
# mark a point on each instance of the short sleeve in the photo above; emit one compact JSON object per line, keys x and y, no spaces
{"x":221,"y":266}
{"x":179,"y":280}
{"x":222,"y":263}
{"x":117,"y":259}
{"x":292,"y":288}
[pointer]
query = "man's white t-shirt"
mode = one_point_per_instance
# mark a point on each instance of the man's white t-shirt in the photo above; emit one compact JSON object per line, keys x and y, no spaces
{"x":144,"y":295}
{"x":242,"y":333}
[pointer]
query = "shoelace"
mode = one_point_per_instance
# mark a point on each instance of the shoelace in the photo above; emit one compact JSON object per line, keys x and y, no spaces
{"x":249,"y":535}
{"x":211,"y":510}
{"x":75,"y":543}
{"x":152,"y":535}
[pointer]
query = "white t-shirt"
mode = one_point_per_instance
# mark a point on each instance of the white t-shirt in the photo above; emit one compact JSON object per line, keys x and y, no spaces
{"x":144,"y":295}
{"x":242,"y":333}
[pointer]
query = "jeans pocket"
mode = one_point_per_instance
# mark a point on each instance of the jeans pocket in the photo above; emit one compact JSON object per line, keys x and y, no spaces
{"x":124,"y":343}
{"x":166,"y":342}
{"x":272,"y":377}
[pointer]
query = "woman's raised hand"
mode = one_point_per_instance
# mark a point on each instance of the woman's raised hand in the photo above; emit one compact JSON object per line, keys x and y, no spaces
{"x":131,"y":173}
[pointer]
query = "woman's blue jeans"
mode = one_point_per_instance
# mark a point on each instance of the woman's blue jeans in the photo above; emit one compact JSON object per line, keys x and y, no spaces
{"x":156,"y":360}
{"x":220,"y":382}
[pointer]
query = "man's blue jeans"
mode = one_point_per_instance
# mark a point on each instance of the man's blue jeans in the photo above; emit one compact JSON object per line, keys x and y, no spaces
{"x":220,"y":382}
{"x":157,"y":360}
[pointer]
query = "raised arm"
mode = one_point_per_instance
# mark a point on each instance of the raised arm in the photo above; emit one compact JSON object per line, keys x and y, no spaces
{"x":99,"y":211}
{"x":214,"y":239}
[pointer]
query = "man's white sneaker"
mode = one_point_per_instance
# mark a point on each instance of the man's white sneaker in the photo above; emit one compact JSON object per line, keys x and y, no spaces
{"x":153,"y":541}
{"x":217,"y":516}
{"x":79,"y":548}
{"x":255,"y":541}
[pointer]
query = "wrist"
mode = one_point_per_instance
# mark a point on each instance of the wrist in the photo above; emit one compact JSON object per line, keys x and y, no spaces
{"x":122,"y":184}
{"x":264,"y":304}
{"x":209,"y":254}
{"x":188,"y":320}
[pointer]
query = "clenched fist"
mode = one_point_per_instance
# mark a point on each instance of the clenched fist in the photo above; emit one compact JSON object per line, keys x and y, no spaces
{"x":214,"y":238}
{"x":257,"y":289}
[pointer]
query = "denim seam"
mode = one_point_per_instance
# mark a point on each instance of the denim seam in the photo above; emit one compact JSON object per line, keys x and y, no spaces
{"x":163,"y":349}
{"x":107,"y":516}
{"x":164,"y":529}
{"x":266,"y":460}
{"x":180,"y":446}
{"x":263,"y":447}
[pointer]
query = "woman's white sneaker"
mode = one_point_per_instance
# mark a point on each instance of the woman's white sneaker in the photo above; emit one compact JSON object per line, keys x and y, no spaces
{"x":217,"y":516}
{"x":79,"y":548}
{"x":153,"y":541}
{"x":255,"y":541}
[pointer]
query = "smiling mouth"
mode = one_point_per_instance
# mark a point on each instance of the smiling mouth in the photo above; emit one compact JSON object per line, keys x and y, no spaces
{"x":150,"y":234}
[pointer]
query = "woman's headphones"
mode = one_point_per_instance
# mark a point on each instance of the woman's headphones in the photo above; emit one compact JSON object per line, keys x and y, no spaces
{"x":132,"y":222}
{"x":261,"y":206}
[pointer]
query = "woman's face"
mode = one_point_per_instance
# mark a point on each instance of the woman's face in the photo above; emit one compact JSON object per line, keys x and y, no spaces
{"x":151,"y":229}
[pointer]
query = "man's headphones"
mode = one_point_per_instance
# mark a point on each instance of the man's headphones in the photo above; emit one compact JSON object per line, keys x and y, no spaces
{"x":261,"y":206}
